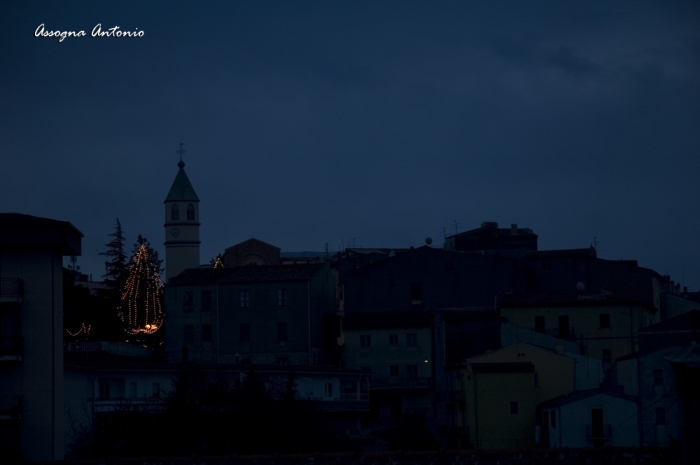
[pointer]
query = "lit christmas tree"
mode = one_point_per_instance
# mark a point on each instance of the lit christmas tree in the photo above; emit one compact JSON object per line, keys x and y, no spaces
{"x":141,"y":307}
{"x":217,"y":262}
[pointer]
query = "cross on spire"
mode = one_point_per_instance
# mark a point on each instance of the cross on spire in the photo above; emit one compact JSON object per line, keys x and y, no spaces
{"x":180,"y":151}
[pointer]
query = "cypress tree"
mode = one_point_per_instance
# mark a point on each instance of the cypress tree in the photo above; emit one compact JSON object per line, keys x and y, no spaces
{"x":116,"y":267}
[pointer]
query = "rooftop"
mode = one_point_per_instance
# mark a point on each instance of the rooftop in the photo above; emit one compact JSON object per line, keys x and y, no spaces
{"x":561,"y":253}
{"x":579,"y":395}
{"x":182,"y":189}
{"x":568,"y":299}
{"x":387,"y":320}
{"x":245,"y":274}
{"x":25,"y":231}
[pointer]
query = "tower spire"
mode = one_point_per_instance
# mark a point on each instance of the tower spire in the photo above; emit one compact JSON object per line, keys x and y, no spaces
{"x":180,"y":151}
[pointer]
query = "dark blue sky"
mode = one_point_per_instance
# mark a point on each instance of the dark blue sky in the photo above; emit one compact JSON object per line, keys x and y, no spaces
{"x":309,"y":122}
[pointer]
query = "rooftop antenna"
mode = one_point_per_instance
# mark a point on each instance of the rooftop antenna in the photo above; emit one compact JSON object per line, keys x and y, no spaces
{"x":444,"y":233}
{"x":353,"y":240}
{"x":456,"y":225}
{"x":180,"y":151}
{"x":596,"y":243}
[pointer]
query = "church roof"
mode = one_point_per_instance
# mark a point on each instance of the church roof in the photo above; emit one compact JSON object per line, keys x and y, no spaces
{"x":181,"y":189}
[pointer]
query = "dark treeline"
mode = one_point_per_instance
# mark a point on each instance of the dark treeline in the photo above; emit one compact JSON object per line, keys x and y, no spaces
{"x":216,"y":415}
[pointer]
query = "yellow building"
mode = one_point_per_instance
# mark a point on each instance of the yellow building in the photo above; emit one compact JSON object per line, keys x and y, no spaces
{"x":499,"y":391}
{"x":497,"y":403}
{"x":605,"y":326}
{"x":554,"y":373}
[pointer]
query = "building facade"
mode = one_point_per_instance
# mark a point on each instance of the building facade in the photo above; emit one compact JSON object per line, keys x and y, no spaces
{"x":31,"y":342}
{"x":276,"y":314}
{"x":593,"y":418}
{"x":606,"y":327}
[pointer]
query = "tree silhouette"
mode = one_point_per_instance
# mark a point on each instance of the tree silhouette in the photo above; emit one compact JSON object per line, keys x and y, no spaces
{"x":116,"y":267}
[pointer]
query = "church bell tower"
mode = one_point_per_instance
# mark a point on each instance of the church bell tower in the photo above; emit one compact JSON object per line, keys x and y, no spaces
{"x":181,"y":224}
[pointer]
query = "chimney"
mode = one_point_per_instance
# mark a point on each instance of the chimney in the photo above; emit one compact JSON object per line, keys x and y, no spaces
{"x":514,"y":229}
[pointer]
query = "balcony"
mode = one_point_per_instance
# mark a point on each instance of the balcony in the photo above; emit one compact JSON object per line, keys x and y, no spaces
{"x":11,"y":348}
{"x":11,"y":290}
{"x":127,"y":404}
{"x":347,"y":402}
{"x":599,"y":437}
{"x":400,"y":383}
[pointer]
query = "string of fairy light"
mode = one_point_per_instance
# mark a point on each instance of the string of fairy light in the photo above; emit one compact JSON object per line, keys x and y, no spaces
{"x":83,"y":329}
{"x":143,"y":316}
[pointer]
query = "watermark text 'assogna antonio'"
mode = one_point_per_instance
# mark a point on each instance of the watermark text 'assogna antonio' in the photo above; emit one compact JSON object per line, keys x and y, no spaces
{"x":97,"y":31}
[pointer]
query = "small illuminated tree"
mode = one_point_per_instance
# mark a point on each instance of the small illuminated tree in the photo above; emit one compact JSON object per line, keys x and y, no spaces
{"x":217,"y":262}
{"x":141,"y":307}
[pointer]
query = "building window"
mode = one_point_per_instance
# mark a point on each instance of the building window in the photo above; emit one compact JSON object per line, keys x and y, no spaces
{"x":416,"y":293}
{"x":132,"y":390}
{"x":563,"y":326}
{"x":604,"y":320}
{"x":190,"y":212}
{"x":329,"y":389}
{"x":394,"y":370}
{"x":365,"y":341}
{"x":392,"y":282}
{"x":546,"y":265}
{"x":174,"y":213}
{"x":245,"y":299}
{"x":514,"y":408}
{"x":412,"y":371}
{"x":393,"y":339}
{"x":539,"y":324}
{"x":188,"y":334}
{"x":554,"y":418}
{"x":206,"y":301}
{"x":281,"y":297}
{"x":282,"y":332}
{"x":104,"y":389}
{"x":206,"y":333}
{"x":155,"y":390}
{"x":411,"y":339}
{"x":658,"y":377}
{"x":366,"y":369}
{"x":660,"y":416}
{"x":607,"y":356}
{"x":187,"y":301}
{"x":244,"y":333}
{"x":282,"y":361}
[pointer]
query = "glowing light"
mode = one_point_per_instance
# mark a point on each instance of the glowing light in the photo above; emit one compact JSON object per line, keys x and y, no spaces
{"x":218,"y":263}
{"x":141,"y":308}
{"x":83,"y":329}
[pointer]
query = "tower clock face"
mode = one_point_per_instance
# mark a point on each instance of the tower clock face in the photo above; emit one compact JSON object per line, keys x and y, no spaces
{"x":175,"y":232}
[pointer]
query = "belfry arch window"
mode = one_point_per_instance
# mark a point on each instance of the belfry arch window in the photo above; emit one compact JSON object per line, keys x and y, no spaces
{"x":174,"y":213}
{"x":190,"y":212}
